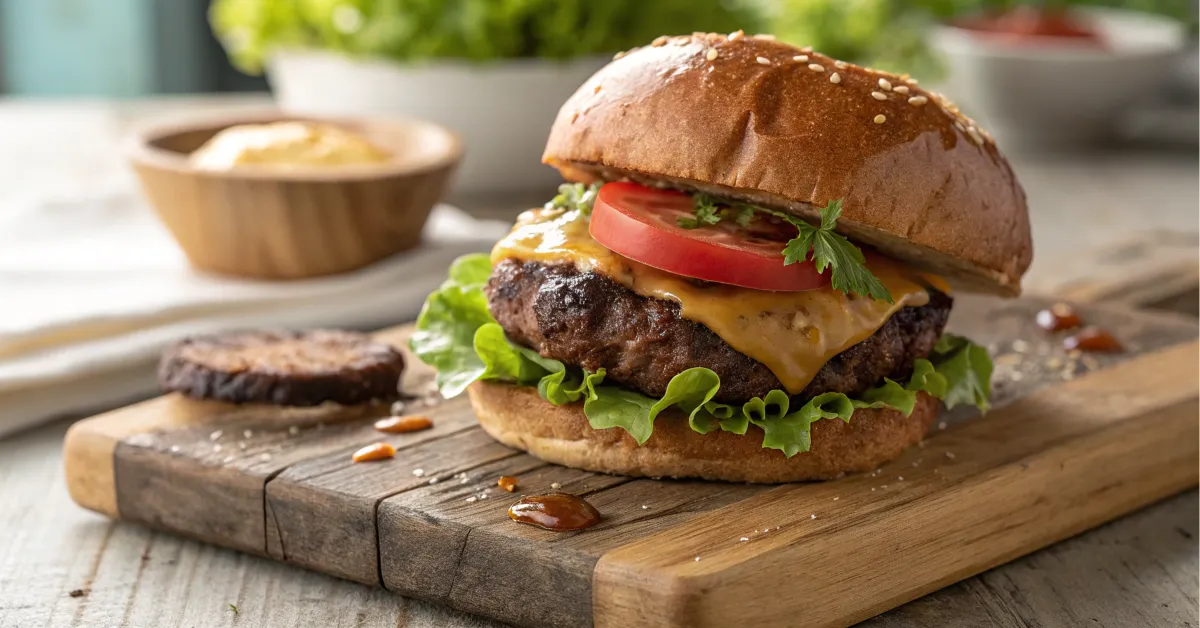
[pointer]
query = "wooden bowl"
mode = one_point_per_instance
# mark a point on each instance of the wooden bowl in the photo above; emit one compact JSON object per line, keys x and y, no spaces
{"x":270,"y":223}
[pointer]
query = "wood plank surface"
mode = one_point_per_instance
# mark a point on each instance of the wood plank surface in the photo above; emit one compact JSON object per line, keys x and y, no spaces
{"x":431,"y":524}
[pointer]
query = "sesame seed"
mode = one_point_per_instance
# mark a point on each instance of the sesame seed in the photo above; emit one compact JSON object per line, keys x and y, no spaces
{"x":835,"y":78}
{"x":879,"y":95}
{"x":711,"y":54}
{"x":619,"y":55}
{"x":660,"y":41}
{"x":816,"y":67}
{"x":880,"y":119}
{"x":763,"y":60}
{"x":841,"y":65}
{"x":555,"y":485}
{"x":766,"y":36}
{"x":736,"y":35}
{"x":806,"y":49}
{"x":885,"y":84}
{"x":800,"y":58}
{"x":917,"y":101}
{"x":900,"y":89}
{"x":975,"y":136}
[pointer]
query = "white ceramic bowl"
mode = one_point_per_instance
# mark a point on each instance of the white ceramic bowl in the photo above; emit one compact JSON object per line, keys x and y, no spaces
{"x":1060,"y":93}
{"x":502,"y":110}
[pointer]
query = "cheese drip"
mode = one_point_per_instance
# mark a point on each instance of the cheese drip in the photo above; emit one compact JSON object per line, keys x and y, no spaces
{"x":792,"y":333}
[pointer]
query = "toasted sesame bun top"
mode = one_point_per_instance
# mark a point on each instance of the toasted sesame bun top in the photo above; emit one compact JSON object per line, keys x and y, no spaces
{"x":750,"y":118}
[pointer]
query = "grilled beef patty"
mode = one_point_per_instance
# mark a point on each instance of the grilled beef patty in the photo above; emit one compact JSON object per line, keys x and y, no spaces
{"x":588,"y":320}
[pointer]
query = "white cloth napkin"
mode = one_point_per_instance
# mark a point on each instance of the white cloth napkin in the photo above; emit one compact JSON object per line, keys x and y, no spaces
{"x":91,"y":290}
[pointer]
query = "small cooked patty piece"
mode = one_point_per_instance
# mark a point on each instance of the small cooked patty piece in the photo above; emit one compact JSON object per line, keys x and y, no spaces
{"x":287,"y":368}
{"x":588,"y":320}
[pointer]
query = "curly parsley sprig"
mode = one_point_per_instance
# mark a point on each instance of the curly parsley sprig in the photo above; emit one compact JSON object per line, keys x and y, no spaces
{"x":572,"y":196}
{"x":826,"y":247}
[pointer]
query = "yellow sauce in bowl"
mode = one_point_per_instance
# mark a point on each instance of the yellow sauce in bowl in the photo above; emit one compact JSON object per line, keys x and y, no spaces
{"x":286,"y":145}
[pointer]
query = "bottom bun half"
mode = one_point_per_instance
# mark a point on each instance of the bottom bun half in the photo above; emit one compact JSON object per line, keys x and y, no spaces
{"x":518,"y":417}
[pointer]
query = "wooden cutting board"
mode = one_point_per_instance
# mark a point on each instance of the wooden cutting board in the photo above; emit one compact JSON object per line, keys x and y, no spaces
{"x":1074,"y":441}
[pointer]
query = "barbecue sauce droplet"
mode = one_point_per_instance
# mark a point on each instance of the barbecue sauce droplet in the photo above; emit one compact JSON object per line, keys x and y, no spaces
{"x":1058,"y":317}
{"x":557,"y":512}
{"x":1093,"y":339}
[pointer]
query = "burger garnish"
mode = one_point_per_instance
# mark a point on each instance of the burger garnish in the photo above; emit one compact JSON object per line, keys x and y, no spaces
{"x":743,"y":249}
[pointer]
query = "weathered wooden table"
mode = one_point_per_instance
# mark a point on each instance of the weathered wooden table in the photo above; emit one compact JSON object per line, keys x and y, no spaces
{"x":1097,"y":219}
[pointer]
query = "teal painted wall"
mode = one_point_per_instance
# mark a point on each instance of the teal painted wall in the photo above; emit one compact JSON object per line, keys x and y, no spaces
{"x":114,"y":48}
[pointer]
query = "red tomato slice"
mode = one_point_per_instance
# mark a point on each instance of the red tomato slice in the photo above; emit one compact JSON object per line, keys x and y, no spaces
{"x":641,"y":223}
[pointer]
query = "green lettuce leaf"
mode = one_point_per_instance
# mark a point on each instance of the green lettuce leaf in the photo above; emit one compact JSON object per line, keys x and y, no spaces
{"x":456,"y":334}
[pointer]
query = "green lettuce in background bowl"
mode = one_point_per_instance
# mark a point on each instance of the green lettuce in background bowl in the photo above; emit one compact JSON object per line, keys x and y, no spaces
{"x":409,"y":30}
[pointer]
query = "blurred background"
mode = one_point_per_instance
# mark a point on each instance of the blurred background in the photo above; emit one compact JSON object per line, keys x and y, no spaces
{"x":108,"y":239}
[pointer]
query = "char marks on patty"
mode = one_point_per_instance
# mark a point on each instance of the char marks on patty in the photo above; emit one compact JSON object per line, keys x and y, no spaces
{"x":588,"y":320}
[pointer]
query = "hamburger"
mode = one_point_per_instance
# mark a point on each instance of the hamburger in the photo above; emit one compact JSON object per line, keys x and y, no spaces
{"x":746,"y":276}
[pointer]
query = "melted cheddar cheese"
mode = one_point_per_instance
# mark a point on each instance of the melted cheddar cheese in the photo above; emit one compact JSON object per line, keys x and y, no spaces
{"x":792,"y":333}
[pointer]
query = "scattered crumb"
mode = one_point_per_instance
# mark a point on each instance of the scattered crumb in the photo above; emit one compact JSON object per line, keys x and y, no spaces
{"x":175,"y":449}
{"x":234,"y":608}
{"x":293,"y":430}
{"x":83,"y":592}
{"x":471,"y":499}
{"x":921,"y":444}
{"x":942,"y":425}
{"x":950,"y":455}
{"x":507,"y":482}
{"x":743,"y":539}
{"x":248,"y":434}
{"x":872,"y":489}
{"x":812,"y":516}
{"x":418,"y":472}
{"x":398,"y":407}
{"x":215,"y":435}
{"x":265,"y":457}
{"x":216,"y":448}
{"x":883,"y":486}
{"x":697,"y":559}
{"x":900,"y":478}
{"x":836,"y":498}
{"x":433,"y":480}
{"x":242,"y":445}
{"x":555,"y":485}
{"x":645,"y":507}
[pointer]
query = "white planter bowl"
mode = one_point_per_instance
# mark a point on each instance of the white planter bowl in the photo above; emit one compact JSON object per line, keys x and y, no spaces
{"x":1061,"y":93}
{"x":501,"y":110}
